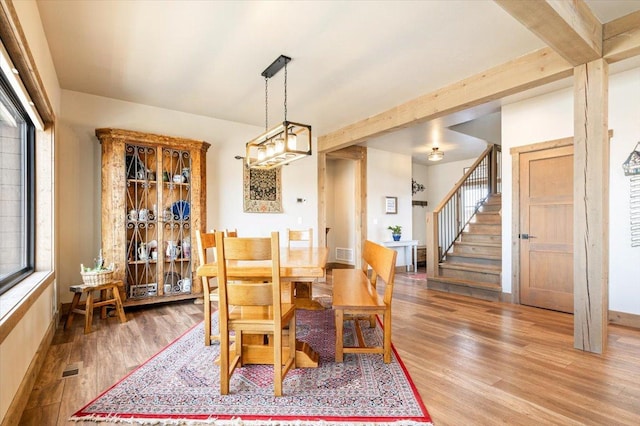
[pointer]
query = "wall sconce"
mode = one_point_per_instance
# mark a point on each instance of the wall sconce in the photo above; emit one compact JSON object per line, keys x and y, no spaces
{"x":632,"y":165}
{"x":416,"y":187}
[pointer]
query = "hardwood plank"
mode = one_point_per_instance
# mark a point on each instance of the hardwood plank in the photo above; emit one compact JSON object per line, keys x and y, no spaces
{"x":472,"y":361}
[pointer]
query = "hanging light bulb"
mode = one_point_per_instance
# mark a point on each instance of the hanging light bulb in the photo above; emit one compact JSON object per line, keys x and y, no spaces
{"x":262,"y":153}
{"x":292,"y":141}
{"x":279,"y":144}
{"x":270,"y":149}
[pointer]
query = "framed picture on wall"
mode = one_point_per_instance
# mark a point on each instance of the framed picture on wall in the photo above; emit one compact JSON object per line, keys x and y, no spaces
{"x":391,"y":205}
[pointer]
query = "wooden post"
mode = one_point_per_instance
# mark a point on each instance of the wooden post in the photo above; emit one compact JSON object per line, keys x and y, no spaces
{"x":493,"y":171}
{"x":433,"y":257}
{"x":591,"y":206}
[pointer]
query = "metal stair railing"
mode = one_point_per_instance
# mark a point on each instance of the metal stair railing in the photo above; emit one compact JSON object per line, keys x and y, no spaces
{"x":449,"y":219}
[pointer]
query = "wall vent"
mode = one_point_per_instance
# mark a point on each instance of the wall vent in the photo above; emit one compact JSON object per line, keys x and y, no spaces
{"x":344,"y":254}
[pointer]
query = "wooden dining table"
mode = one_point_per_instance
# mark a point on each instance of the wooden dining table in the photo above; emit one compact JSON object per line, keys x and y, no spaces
{"x":295,"y":263}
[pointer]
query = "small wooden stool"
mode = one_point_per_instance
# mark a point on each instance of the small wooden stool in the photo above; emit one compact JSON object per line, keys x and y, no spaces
{"x":89,"y":305}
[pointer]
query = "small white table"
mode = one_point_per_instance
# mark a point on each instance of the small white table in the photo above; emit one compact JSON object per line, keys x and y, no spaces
{"x":407,"y":245}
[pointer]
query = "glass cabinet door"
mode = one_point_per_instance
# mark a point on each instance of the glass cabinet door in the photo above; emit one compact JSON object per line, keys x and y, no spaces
{"x":141,"y":219}
{"x":176,"y":221}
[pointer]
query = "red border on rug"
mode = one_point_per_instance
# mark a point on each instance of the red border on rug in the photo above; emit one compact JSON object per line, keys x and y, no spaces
{"x":79,"y":415}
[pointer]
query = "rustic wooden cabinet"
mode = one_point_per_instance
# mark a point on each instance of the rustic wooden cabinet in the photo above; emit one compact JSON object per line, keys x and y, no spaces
{"x":153,"y":200}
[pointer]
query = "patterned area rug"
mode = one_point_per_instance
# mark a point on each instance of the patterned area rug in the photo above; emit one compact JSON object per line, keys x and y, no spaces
{"x":180,"y":385}
{"x":416,"y":277}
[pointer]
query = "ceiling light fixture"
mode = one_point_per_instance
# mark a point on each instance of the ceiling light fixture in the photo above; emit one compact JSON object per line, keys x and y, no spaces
{"x":284,"y":143}
{"x":436,"y":154}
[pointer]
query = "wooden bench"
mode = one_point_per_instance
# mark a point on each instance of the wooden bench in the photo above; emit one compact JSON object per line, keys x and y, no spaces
{"x":355,"y":296}
{"x":105,"y":300}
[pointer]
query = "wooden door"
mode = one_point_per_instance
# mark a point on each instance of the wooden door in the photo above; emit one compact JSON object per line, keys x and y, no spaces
{"x":546,"y":228}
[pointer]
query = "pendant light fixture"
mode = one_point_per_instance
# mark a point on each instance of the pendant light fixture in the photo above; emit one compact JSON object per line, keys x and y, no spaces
{"x":436,"y":154}
{"x":286,"y":142}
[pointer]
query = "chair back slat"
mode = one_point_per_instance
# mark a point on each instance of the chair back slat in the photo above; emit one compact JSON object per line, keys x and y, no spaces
{"x":247,"y":248}
{"x":249,"y":294}
{"x":205,"y":241}
{"x":382,"y":261}
{"x":300,"y":235}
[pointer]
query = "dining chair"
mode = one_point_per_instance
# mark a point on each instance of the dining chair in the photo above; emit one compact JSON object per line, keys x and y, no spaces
{"x":206,"y":244}
{"x":303,"y":288}
{"x":257,"y":305}
{"x":304,"y":236}
{"x":382,"y":261}
{"x":232,"y":232}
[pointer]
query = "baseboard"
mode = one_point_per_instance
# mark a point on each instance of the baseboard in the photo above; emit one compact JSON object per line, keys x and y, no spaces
{"x":625,"y":319}
{"x":21,"y":398}
{"x":506,"y":297}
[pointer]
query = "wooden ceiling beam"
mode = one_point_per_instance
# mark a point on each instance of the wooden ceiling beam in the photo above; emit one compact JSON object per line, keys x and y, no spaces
{"x":528,"y":71}
{"x":568,"y":27}
{"x":621,"y":38}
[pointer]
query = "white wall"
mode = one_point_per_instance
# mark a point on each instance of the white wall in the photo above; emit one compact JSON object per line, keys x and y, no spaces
{"x":341,"y":206}
{"x":80,"y":174}
{"x":624,"y":260}
{"x":550,"y":117}
{"x":442,"y":177}
{"x":388,"y":174}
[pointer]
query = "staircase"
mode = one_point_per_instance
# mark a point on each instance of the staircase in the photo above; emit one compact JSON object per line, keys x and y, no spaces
{"x":473,"y":265}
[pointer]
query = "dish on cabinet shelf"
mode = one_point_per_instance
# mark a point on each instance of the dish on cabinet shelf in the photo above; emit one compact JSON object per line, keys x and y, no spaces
{"x":181,"y":209}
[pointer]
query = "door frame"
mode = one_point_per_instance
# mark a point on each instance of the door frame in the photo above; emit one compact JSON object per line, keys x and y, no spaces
{"x":358,"y":154}
{"x":515,"y":205}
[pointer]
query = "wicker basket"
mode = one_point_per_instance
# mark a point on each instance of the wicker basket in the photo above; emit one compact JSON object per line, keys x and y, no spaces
{"x":96,"y":277}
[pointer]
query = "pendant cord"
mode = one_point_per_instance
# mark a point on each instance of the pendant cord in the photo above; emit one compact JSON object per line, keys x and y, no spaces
{"x":285,"y":91}
{"x":266,"y":103}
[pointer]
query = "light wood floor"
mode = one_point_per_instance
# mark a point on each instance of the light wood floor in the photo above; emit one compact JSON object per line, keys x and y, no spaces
{"x":473,"y":362}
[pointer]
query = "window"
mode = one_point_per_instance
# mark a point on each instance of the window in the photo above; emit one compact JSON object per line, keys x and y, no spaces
{"x":17,"y":139}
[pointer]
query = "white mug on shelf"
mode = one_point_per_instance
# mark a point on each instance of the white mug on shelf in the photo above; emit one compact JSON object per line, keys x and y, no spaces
{"x":185,"y":285}
{"x":143,"y":253}
{"x":172,"y":250}
{"x":143,"y":214}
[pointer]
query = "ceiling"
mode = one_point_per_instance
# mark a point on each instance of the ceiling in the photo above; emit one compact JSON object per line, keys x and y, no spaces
{"x":350,"y":59}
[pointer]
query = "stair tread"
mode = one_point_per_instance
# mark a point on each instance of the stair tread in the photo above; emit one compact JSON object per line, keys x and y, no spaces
{"x":468,"y":283}
{"x":478,"y":255}
{"x":479,"y":244}
{"x":475,"y":267}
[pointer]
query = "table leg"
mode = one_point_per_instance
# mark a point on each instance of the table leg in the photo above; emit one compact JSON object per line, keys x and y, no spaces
{"x":103,"y":309}
{"x":88,"y":312}
{"x":119,"y":307}
{"x":339,"y":335}
{"x":415,"y":259}
{"x":74,"y":306}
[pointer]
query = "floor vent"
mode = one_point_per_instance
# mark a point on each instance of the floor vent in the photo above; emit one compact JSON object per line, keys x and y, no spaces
{"x":344,"y":254}
{"x":70,"y":371}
